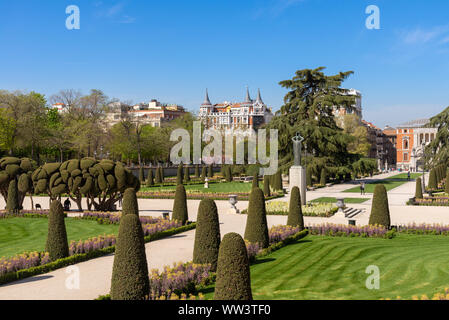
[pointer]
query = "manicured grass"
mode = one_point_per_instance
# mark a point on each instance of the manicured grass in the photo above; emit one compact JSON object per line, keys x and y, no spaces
{"x":18,"y":235}
{"x":219,"y":187}
{"x":334,"y":268}
{"x":369,"y":187}
{"x":334,"y":200}
{"x":404,"y":176}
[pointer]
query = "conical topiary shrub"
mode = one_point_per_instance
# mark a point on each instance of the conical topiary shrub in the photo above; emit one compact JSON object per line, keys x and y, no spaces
{"x":432,"y":184}
{"x":309,"y":181}
{"x":197,"y":171}
{"x":323,"y":177}
{"x":162,"y":174}
{"x":12,"y":203}
{"x":130,"y":279}
{"x":233,"y":274}
{"x":179,"y":174}
{"x":150,"y":180}
{"x":207,"y":234}
{"x":158,"y":175}
{"x":203,"y":173}
{"x":256,"y":230}
{"x":380,"y":212}
{"x":446,"y":184}
{"x":210,"y":171}
{"x":418,"y":191}
{"x":295,"y":217}
{"x":57,"y":245}
{"x":130,"y":204}
{"x":266,"y":186}
{"x":186,"y":174}
{"x":180,"y":205}
{"x":141,"y":175}
{"x":279,"y":185}
{"x":228,"y":173}
{"x":255,"y":181}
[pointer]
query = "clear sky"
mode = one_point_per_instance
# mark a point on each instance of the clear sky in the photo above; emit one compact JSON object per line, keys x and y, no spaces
{"x":172,"y":50}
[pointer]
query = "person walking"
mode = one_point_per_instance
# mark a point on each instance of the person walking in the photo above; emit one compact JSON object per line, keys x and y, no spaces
{"x":362,"y":187}
{"x":408,"y":175}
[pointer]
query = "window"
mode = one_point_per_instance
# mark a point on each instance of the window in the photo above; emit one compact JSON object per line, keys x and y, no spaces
{"x":405,"y":144}
{"x":405,"y":157}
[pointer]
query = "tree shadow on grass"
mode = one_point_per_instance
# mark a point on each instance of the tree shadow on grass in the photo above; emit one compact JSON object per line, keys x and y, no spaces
{"x":28,"y":280}
{"x":263,"y":260}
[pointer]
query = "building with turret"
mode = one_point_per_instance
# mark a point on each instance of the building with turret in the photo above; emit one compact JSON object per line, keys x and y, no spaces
{"x":249,"y":114}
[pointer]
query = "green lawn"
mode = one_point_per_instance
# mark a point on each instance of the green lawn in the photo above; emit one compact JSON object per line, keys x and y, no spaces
{"x":334,"y":268}
{"x":220,"y":187}
{"x":18,"y":235}
{"x":334,"y":200}
{"x":404,"y":176}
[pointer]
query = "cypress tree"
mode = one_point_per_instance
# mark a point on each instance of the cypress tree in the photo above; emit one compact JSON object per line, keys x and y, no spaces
{"x":141,"y":175}
{"x":186,"y":174}
{"x":380,"y":212}
{"x":432,"y":184}
{"x":323,"y":177}
{"x":150,"y":180}
{"x":266,"y":186}
{"x":180,"y":205}
{"x":418,"y":191}
{"x":162,"y":174}
{"x":255,"y":181}
{"x":309,"y":177}
{"x":207,"y":234}
{"x":197,"y":171}
{"x":158,"y":175}
{"x":130,"y":280}
{"x":12,"y":203}
{"x":256,"y":230}
{"x":203,"y":173}
{"x":295,"y":217}
{"x":446,"y":185}
{"x":210,"y":171}
{"x":57,"y":245}
{"x":130,"y":204}
{"x":279,"y":181}
{"x":179,"y":174}
{"x":233,"y":273}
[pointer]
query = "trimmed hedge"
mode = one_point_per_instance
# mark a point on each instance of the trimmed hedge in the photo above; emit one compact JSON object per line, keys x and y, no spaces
{"x":380,"y":212}
{"x":129,"y":203}
{"x":57,"y":245}
{"x":256,"y":230}
{"x":295,"y":217}
{"x":180,"y":212}
{"x":233,"y":280}
{"x":207,"y":235}
{"x":418,"y":191}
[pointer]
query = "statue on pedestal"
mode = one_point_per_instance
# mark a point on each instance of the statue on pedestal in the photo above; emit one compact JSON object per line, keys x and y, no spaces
{"x":297,"y":143}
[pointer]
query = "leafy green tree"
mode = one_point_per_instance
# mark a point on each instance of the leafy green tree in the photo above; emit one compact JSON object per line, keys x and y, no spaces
{"x":309,"y":110}
{"x":437,"y":151}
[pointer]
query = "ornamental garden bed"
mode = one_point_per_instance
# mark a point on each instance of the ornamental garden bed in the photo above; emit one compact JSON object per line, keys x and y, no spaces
{"x":438,"y":201}
{"x":309,"y":210}
{"x":98,"y":239}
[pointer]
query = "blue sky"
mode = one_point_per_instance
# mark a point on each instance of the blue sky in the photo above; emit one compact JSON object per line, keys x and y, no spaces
{"x":172,"y":50}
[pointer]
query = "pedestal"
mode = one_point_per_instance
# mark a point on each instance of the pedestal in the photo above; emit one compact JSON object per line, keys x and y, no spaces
{"x":297,"y":178}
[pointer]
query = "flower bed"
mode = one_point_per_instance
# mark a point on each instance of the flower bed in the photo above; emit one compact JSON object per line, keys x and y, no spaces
{"x":242,"y":196}
{"x":26,"y":214}
{"x":114,"y":217}
{"x":341,"y":230}
{"x":430,"y":201}
{"x":424,"y":229}
{"x":309,"y":210}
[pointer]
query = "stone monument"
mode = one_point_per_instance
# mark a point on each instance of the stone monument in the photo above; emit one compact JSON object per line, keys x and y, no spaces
{"x":297,"y":173}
